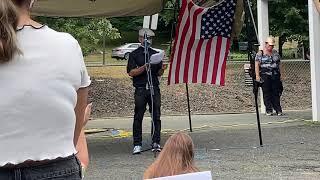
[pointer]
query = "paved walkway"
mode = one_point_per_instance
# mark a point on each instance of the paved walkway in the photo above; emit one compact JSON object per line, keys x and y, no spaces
{"x":215,"y":121}
{"x":226,"y":144}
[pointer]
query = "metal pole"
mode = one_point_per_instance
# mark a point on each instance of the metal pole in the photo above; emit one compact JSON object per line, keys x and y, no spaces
{"x":258,"y":116}
{"x":189,"y":111}
{"x":251,"y":38}
{"x":104,"y":48}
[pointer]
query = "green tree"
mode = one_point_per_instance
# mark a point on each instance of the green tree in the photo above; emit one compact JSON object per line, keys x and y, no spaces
{"x":289,"y":21}
{"x":88,"y":31}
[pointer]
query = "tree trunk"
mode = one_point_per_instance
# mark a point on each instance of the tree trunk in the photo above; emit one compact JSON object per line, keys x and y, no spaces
{"x":235,"y":44}
{"x":282,"y":40}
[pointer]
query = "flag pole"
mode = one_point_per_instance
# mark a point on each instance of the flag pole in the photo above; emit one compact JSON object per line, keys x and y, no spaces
{"x":249,"y":21}
{"x":189,"y":111}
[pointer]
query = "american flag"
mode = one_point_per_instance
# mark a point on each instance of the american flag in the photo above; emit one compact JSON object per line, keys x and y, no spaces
{"x":202,"y":43}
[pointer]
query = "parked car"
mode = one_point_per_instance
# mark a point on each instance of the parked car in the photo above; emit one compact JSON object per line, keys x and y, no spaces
{"x":123,"y":51}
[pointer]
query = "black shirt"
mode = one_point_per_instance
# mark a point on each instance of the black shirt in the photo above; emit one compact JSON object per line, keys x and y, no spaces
{"x":137,"y":59}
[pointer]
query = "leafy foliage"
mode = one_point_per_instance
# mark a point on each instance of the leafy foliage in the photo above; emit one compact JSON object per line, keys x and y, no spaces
{"x":290,"y":19}
{"x":89,"y":32}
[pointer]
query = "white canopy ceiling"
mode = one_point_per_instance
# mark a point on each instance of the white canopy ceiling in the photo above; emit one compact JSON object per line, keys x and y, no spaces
{"x":106,"y":8}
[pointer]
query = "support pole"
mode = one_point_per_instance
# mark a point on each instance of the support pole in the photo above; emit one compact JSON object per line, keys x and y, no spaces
{"x":263,"y":30}
{"x":252,"y":38}
{"x":189,"y":111}
{"x":104,"y":48}
{"x":314,"y":34}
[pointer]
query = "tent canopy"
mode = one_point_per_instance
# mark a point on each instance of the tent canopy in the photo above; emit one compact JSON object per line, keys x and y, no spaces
{"x":118,"y":8}
{"x":91,"y":8}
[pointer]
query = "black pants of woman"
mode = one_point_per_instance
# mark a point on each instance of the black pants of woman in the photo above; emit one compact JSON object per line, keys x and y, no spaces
{"x":272,"y":89}
{"x":61,"y":169}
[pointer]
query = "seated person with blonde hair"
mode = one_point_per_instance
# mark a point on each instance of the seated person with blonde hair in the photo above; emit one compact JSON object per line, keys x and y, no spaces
{"x":177,"y":157}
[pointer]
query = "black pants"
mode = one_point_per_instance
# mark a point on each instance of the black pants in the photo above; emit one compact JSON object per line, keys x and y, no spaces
{"x":272,"y":89}
{"x":63,"y":169}
{"x":142,"y":98}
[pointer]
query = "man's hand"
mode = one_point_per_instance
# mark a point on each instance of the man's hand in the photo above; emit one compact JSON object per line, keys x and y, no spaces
{"x":138,"y":71}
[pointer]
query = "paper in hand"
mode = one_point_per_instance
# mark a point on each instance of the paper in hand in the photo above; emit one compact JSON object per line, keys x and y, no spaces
{"x":157,"y":58}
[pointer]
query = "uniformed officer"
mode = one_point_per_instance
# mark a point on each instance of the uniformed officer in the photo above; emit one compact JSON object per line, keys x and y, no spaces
{"x":137,"y":69}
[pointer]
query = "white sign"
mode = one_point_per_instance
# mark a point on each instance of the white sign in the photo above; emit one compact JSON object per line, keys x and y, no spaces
{"x":154,"y":21}
{"x":191,"y":176}
{"x":146,"y":22}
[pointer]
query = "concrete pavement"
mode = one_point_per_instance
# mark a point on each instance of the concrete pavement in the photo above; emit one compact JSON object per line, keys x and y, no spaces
{"x":227,"y":145}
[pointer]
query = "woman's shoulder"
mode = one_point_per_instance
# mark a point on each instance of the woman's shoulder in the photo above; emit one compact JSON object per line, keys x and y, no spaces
{"x":61,"y":37}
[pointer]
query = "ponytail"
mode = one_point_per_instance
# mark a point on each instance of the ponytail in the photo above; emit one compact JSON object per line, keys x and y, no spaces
{"x":8,"y":26}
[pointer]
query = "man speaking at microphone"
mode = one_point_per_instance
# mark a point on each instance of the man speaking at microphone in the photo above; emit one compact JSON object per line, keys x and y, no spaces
{"x":137,"y":69}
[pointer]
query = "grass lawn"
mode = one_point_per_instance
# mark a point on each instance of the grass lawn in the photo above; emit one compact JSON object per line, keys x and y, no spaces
{"x":108,"y":72}
{"x":97,"y":59}
{"x":112,"y":72}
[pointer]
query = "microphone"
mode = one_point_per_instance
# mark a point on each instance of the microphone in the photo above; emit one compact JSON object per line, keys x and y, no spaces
{"x":146,"y":43}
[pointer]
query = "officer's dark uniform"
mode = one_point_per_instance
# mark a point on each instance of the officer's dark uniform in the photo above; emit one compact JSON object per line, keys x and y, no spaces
{"x":272,"y":86}
{"x":142,"y":95}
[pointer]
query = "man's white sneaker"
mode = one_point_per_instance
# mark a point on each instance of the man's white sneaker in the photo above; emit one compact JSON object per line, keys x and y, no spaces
{"x":136,"y":150}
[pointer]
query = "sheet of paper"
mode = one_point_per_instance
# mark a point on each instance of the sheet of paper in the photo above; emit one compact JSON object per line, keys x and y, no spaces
{"x":157,"y":58}
{"x":206,"y":175}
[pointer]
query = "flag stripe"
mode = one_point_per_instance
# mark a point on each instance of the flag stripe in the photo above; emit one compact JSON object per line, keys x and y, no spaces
{"x":196,"y":63}
{"x":223,"y":71}
{"x":211,"y":63}
{"x":221,"y":60}
{"x":190,"y":44}
{"x":182,"y":15}
{"x":206,"y":61}
{"x":184,"y":63}
{"x":216,"y":60}
{"x":181,"y":44}
{"x":201,"y":60}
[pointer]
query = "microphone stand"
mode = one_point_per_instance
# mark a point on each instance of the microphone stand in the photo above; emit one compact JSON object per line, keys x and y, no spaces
{"x":149,"y":86}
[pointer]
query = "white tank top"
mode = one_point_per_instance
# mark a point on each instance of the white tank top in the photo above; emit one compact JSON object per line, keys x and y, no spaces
{"x":38,"y":94}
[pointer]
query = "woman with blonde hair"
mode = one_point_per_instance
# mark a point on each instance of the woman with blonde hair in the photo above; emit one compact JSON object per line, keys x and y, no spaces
{"x":43,"y":97}
{"x":177,"y":157}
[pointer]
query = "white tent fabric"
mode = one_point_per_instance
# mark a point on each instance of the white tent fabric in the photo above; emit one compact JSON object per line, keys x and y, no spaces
{"x":91,"y":8}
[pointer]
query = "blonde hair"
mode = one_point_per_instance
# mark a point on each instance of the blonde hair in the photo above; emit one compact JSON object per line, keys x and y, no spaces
{"x":8,"y":26}
{"x":177,"y":157}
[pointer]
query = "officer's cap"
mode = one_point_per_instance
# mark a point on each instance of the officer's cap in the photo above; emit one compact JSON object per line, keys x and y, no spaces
{"x":149,"y":32}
